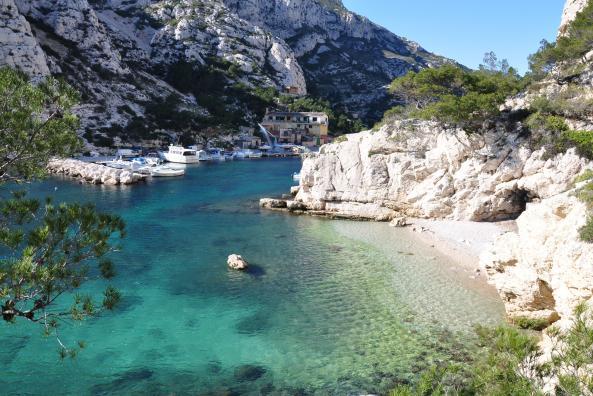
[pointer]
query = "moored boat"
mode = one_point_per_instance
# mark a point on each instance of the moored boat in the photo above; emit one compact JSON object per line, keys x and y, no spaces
{"x":181,"y":155}
{"x":165,"y":171}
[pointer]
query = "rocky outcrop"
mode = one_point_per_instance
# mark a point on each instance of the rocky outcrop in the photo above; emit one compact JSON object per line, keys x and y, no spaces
{"x":18,"y":47}
{"x":420,"y":169}
{"x":571,"y":9}
{"x":346,"y":58}
{"x":92,"y":173}
{"x":237,"y":262}
{"x":544,"y":270}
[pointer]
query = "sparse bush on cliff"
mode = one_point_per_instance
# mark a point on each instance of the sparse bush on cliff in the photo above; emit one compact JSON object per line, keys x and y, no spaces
{"x":586,"y":233}
{"x":509,"y":362}
{"x":456,"y":96}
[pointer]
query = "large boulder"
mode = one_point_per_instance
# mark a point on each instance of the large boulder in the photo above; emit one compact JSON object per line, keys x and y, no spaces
{"x":543,"y":270}
{"x":237,"y":262}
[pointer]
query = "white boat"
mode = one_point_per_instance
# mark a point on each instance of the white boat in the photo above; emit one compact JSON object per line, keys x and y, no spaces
{"x":181,"y":155}
{"x":118,"y":163}
{"x":165,"y":171}
{"x":202,"y":155}
{"x":296,"y":176}
{"x":254,"y":154}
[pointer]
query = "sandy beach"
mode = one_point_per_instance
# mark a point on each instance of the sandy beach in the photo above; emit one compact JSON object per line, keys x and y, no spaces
{"x":462,"y":241}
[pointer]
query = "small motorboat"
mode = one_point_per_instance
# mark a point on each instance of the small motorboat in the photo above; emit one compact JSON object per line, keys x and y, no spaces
{"x":165,"y":171}
{"x":118,"y":163}
{"x":296,"y":176}
{"x":254,"y":154}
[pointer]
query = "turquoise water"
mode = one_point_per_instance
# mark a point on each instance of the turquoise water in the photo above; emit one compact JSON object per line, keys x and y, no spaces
{"x":328,"y":308}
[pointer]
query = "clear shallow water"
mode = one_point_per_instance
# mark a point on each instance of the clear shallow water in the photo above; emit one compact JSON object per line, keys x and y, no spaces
{"x":329,"y":308}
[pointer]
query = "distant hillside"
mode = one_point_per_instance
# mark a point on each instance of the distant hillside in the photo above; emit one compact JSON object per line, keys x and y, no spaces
{"x":147,"y":68}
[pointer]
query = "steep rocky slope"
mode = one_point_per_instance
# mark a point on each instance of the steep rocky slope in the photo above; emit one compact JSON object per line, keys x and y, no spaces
{"x":172,"y":65}
{"x":345,"y":56}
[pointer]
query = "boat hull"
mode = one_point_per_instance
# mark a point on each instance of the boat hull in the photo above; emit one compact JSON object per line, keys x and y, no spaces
{"x":181,"y":159}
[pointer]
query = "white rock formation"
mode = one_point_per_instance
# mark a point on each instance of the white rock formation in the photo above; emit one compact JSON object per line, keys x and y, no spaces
{"x":544,"y":270}
{"x":237,"y":262}
{"x":419,"y":169}
{"x":571,"y":9}
{"x":18,"y":47}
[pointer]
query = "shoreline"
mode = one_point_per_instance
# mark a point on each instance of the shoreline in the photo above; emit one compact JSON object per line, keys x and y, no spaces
{"x":461,"y":241}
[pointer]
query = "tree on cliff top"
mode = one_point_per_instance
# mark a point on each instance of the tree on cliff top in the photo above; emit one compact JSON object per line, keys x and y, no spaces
{"x":48,"y":251}
{"x":566,"y":57}
{"x":456,"y":96}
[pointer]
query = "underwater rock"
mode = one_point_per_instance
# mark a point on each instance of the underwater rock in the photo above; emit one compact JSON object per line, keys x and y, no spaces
{"x":237,"y":262}
{"x":271,"y":203}
{"x":249,"y":372}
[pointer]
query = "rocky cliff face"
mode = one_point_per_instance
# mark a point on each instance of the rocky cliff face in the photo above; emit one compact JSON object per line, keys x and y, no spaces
{"x":133,"y":60}
{"x":544,"y":270}
{"x":345,"y":56}
{"x":571,"y":9}
{"x":422,"y":169}
{"x":19,"y":47}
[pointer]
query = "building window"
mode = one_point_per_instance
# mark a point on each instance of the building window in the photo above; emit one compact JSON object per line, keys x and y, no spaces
{"x":314,"y":119}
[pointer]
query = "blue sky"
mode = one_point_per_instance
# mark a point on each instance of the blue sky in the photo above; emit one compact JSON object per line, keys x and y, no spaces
{"x":465,"y":29}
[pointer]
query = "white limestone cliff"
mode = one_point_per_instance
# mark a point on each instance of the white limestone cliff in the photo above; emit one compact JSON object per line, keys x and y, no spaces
{"x":571,"y":9}
{"x":421,"y":169}
{"x":543,"y":271}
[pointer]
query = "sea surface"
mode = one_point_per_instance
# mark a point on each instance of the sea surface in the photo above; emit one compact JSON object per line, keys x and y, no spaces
{"x":328,"y":307}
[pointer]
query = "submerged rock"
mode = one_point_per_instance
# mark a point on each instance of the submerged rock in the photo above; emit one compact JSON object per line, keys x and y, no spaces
{"x":237,"y":262}
{"x":249,"y":372}
{"x":271,"y":203}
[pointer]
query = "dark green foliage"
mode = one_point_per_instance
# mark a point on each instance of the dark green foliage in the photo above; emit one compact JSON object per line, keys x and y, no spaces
{"x":48,"y":251}
{"x":586,"y":233}
{"x":456,"y":96}
{"x":567,"y":51}
{"x":227,"y":102}
{"x":531,"y":324}
{"x":35,"y":124}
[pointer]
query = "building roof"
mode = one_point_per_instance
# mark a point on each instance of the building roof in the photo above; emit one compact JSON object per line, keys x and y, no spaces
{"x":291,"y":113}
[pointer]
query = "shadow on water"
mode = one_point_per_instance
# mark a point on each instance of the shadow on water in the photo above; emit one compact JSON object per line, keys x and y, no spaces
{"x":256,"y":271}
{"x":123,"y":382}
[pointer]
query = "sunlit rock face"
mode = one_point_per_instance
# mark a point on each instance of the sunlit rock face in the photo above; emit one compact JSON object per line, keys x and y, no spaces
{"x":571,"y":9}
{"x":423,"y":169}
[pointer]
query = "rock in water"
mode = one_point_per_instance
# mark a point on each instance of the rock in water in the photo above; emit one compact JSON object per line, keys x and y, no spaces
{"x":399,"y":222}
{"x":249,"y":372}
{"x":237,"y":262}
